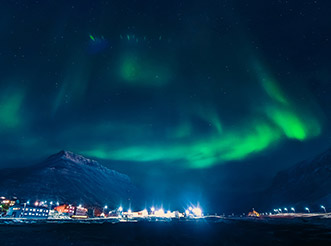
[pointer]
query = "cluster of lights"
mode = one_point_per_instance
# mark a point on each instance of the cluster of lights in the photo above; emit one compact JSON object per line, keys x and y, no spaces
{"x":159,"y":212}
{"x":279,"y":210}
{"x":43,"y":203}
{"x":195,"y":211}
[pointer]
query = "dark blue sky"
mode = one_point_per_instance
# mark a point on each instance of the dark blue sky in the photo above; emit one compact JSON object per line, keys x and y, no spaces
{"x":192,"y":99}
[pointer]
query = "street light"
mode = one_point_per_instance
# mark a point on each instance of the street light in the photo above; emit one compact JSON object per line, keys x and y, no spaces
{"x":322,"y":207}
{"x":307,"y":209}
{"x":106,"y":207}
{"x":280,"y":210}
{"x":293,"y":210}
{"x":285,"y":209}
{"x":120,"y":209}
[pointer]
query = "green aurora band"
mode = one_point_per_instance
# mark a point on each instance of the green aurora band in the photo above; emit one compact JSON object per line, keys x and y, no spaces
{"x":10,"y":109}
{"x":136,"y":70}
{"x":278,"y":120}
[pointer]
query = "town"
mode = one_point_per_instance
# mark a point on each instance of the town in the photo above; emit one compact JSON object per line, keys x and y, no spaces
{"x":15,"y":208}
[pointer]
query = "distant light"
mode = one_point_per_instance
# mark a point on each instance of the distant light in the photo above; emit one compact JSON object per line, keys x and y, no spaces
{"x":169,"y":212}
{"x":57,"y":203}
{"x":36,"y":203}
{"x":129,"y":211}
{"x":159,"y":212}
{"x":80,"y":205}
{"x":197,"y":212}
{"x":145,"y":212}
{"x":120,"y":209}
{"x":152,"y":209}
{"x":187,"y":212}
{"x":106,"y":207}
{"x":51,"y":203}
{"x":28,"y":202}
{"x":190,"y":208}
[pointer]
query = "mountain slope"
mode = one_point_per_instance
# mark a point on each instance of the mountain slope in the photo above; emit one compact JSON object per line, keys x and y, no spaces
{"x":307,"y":183}
{"x":67,"y":177}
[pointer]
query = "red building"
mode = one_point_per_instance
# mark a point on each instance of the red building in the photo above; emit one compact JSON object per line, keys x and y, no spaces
{"x":65,"y":209}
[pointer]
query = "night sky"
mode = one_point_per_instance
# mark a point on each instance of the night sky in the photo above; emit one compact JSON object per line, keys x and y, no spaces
{"x":194,"y":100}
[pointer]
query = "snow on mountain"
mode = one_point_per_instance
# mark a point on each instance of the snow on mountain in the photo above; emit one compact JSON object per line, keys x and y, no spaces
{"x":68,"y":177}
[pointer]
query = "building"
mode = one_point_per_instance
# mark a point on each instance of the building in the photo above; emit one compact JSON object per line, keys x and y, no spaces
{"x":253,"y":214}
{"x":80,"y":211}
{"x":6,"y":203}
{"x":27,"y":211}
{"x":69,"y":210}
{"x":65,"y":209}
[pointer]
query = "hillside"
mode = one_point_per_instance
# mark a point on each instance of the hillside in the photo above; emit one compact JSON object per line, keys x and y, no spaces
{"x":68,"y":177}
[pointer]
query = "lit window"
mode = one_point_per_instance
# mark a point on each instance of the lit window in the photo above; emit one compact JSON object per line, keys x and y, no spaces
{"x":29,"y":213}
{"x":25,"y":213}
{"x":34,"y":210}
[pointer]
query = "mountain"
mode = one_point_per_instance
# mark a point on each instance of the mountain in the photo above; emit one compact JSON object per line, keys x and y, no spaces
{"x":307,"y":183}
{"x":71,"y":178}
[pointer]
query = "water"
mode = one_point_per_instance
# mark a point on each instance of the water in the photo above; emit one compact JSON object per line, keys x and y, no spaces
{"x":226,"y":232}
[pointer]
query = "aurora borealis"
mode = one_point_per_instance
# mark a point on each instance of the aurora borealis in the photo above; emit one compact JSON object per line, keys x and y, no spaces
{"x":175,"y":87}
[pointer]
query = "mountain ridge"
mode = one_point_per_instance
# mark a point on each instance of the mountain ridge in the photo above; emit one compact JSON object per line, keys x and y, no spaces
{"x":307,"y":183}
{"x":68,"y":177}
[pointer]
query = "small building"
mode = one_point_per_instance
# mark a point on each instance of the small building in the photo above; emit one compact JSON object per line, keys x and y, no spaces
{"x":253,"y":214}
{"x":65,"y":209}
{"x":69,"y":210}
{"x":80,"y":211}
{"x":27,"y":211}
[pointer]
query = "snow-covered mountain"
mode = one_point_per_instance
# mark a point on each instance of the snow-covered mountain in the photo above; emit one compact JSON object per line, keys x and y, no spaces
{"x":308,"y":183}
{"x":68,"y":177}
